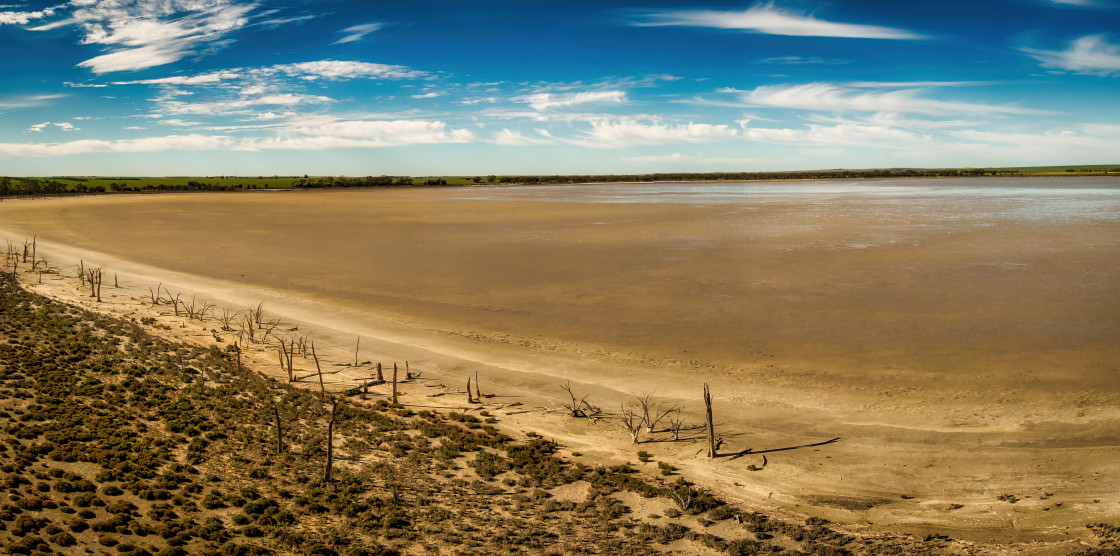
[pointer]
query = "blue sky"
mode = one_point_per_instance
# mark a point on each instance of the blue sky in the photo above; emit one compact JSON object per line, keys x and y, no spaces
{"x":231,"y":87}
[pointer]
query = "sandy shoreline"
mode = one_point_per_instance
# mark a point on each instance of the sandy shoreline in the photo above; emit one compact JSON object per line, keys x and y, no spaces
{"x":1031,"y":442}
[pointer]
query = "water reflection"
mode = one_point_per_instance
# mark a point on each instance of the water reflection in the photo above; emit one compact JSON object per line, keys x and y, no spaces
{"x":1043,"y":200}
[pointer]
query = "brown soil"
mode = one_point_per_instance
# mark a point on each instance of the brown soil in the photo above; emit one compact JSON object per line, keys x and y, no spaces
{"x":954,"y":362}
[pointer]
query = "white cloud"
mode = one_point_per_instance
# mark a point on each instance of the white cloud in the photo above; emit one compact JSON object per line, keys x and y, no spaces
{"x":846,"y":135}
{"x":241,"y":104}
{"x":27,"y":101}
{"x":1091,"y":54}
{"x":888,"y":119}
{"x":147,"y":144}
{"x":358,"y":32}
{"x":38,"y":128}
{"x":22,"y":18}
{"x":201,"y":79}
{"x":386,"y":132}
{"x":347,"y":134}
{"x":1089,"y":137}
{"x":830,"y":97}
{"x":341,"y":69}
{"x":84,"y":85}
{"x":549,"y":101}
{"x":430,"y":94}
{"x":629,"y":133}
{"x":66,"y":126}
{"x":771,"y":20}
{"x":516,"y":139}
{"x":270,"y":115}
{"x":472,"y":101}
{"x":142,"y":34}
{"x":693,"y":159}
{"x":799,"y":60}
{"x":178,"y":123}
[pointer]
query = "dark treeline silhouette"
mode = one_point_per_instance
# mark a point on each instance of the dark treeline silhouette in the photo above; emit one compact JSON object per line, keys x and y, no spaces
{"x":753,"y":176}
{"x":36,"y":187}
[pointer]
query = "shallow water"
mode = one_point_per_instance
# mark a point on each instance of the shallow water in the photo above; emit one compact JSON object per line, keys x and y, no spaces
{"x":1029,"y":199}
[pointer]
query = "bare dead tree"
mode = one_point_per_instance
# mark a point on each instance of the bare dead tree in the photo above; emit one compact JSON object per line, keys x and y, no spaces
{"x":93,"y":277}
{"x":675,"y":423}
{"x":279,"y":431}
{"x":26,"y":250}
{"x":711,"y":428}
{"x":82,"y":272}
{"x":283,"y":359}
{"x":632,"y":421}
{"x":407,"y":372}
{"x":191,"y":309}
{"x":226,"y":318}
{"x":268,"y":328}
{"x":380,"y":376}
{"x":256,"y":314}
{"x":237,"y":348}
{"x":248,"y":329}
{"x":328,"y":477}
{"x":291,"y":353}
{"x":34,"y":263}
{"x":470,"y":395}
{"x":115,"y":284}
{"x":477,"y":391}
{"x":356,"y":345}
{"x":175,"y":301}
{"x":394,"y":384}
{"x":322,"y":388}
{"x":579,"y":407}
{"x":652,"y":414}
{"x":155,"y":295}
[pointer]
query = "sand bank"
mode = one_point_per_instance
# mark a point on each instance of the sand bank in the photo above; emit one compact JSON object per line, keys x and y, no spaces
{"x":955,"y":361}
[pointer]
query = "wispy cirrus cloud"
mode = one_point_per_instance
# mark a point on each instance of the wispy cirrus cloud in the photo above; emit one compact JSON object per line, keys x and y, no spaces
{"x":358,"y":32}
{"x":770,"y":20}
{"x":146,"y":144}
{"x":339,"y":134}
{"x":200,"y":79}
{"x":843,"y":134}
{"x":548,"y":101}
{"x":839,"y":98}
{"x":694,"y":159}
{"x":630,"y":133}
{"x":140,"y":34}
{"x":334,"y":70}
{"x":510,"y":138}
{"x":240,"y":104}
{"x":1091,"y":54}
{"x":27,"y":101}
{"x":804,"y":60}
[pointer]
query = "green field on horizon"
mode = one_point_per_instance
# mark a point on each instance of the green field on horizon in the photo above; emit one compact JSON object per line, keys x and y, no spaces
{"x":98,"y":184}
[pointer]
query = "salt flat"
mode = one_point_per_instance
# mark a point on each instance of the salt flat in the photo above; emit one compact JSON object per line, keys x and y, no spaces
{"x":960,"y":337}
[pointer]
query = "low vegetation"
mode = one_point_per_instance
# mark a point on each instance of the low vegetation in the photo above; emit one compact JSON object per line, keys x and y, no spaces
{"x":16,"y":186}
{"x":115,"y":441}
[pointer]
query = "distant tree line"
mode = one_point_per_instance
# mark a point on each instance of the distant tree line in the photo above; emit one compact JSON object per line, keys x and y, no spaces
{"x":750,"y":176}
{"x":342,"y":181}
{"x":23,"y":187}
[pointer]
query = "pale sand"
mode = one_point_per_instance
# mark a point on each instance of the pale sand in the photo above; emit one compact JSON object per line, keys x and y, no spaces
{"x":955,"y":363}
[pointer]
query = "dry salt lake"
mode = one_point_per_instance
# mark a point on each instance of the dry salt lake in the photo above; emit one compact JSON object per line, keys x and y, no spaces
{"x":960,"y":336}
